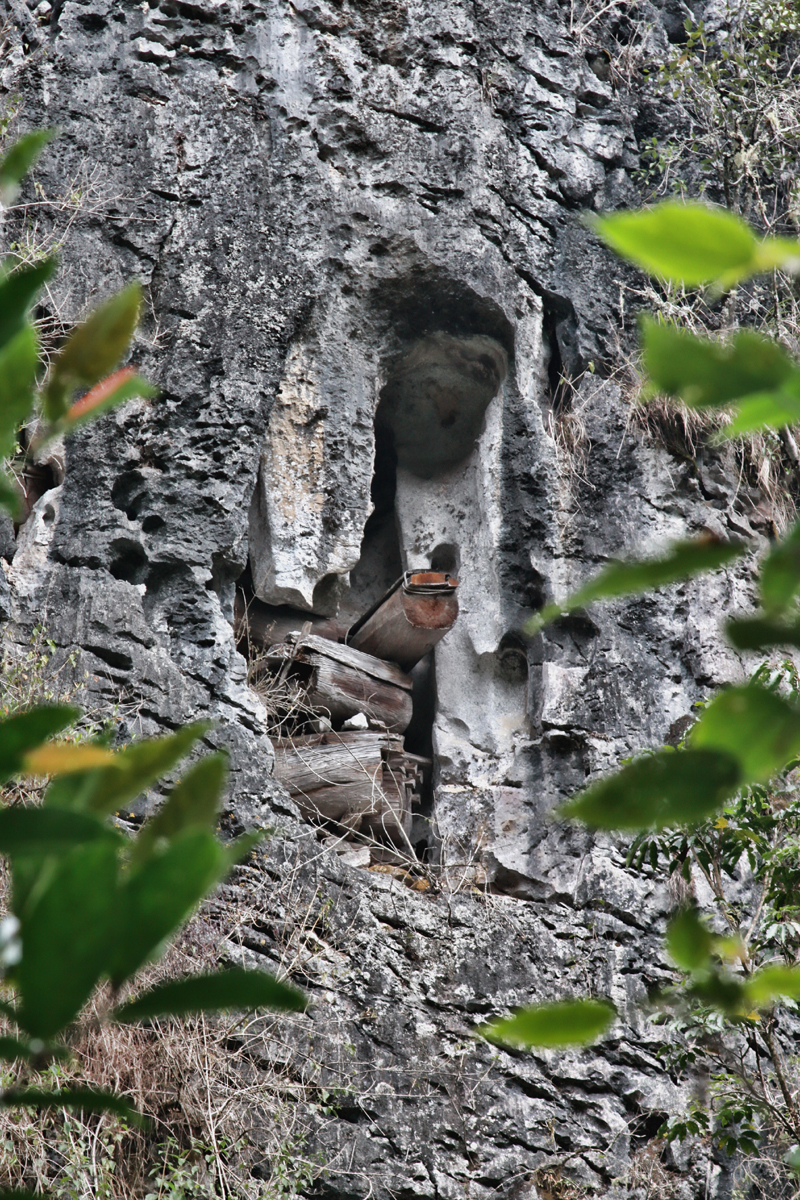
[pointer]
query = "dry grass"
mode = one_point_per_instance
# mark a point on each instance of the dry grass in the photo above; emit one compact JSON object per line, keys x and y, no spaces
{"x":205,"y":1086}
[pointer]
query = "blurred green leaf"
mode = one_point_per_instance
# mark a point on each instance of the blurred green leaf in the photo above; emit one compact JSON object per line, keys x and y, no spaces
{"x":761,"y":633}
{"x":685,"y":243}
{"x":233,"y":988}
{"x":93,"y":349}
{"x":683,"y":560}
{"x":755,"y":726}
{"x":779,"y":581}
{"x":708,"y":374}
{"x":158,"y":897}
{"x":17,"y":293}
{"x":107,"y":789}
{"x":192,"y":804}
{"x":19,"y":159}
{"x":41,"y":831}
{"x":66,"y":758}
{"x":771,"y":983}
{"x":566,"y":1023}
{"x":82,"y":1099}
{"x":689,"y":942}
{"x":10,"y":496}
{"x":18,"y":1194}
{"x":764,"y":410}
{"x":19,"y":359}
{"x":669,"y":788}
{"x":12,"y":1049}
{"x":114,"y":389}
{"x":22,"y":733}
{"x":720,"y":991}
{"x":66,"y":925}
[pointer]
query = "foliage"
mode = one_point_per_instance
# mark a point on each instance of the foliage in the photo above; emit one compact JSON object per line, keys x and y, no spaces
{"x":733,"y":97}
{"x":710,"y":806}
{"x":749,"y":859}
{"x":89,"y":904}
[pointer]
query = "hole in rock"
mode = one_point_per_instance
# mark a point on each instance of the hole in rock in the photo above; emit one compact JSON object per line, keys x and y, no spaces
{"x":435,"y":398}
{"x":128,"y":561}
{"x":129,"y":494}
{"x":512,"y":657}
{"x":350,"y":691}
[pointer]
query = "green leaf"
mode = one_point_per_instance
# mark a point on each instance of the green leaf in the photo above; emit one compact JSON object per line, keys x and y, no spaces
{"x":66,"y":937}
{"x":683,"y":560}
{"x":109,"y":789}
{"x":685,"y":243}
{"x":17,"y":293}
{"x":93,"y":349}
{"x":234,"y":988}
{"x":721,"y":991}
{"x":760,"y":633}
{"x":712,"y":374}
{"x":19,"y":359}
{"x":12,"y":1049}
{"x":769,"y":984}
{"x":41,"y":831}
{"x":192,"y":804}
{"x":10,"y":495}
{"x":83,"y":1099}
{"x":22,"y":733}
{"x":18,"y":1194}
{"x":689,"y":942}
{"x":159,"y":896}
{"x":669,"y":788}
{"x":566,"y":1023}
{"x":780,"y":573}
{"x":755,"y":726}
{"x":17,"y":161}
{"x":765,"y":410}
{"x":109,"y":392}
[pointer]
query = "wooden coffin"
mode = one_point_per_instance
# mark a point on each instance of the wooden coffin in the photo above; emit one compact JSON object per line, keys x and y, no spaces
{"x":344,"y":681}
{"x":258,"y":626}
{"x":364,"y":781}
{"x":409,"y":620}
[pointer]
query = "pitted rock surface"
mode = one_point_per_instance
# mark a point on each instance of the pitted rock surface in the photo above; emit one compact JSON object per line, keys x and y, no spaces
{"x":312,"y":193}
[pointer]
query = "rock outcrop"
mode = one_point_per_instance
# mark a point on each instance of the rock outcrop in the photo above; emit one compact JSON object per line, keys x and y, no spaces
{"x":358,"y":223}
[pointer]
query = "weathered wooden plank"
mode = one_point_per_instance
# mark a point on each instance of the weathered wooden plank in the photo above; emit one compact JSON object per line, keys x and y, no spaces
{"x":374,"y":667}
{"x":306,"y":767}
{"x":362,"y":780}
{"x":342,"y":692}
{"x":346,"y":805}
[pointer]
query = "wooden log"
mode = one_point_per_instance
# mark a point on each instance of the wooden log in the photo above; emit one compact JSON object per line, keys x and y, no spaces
{"x":362,"y":780}
{"x":307,"y":764}
{"x":343,"y":681}
{"x":348,"y":656}
{"x":345,"y":805}
{"x":409,"y":620}
{"x":343,"y":692}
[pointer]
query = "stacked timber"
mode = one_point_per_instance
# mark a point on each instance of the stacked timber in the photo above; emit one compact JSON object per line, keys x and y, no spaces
{"x":363,"y":781}
{"x":408,"y":621}
{"x":342,"y":681}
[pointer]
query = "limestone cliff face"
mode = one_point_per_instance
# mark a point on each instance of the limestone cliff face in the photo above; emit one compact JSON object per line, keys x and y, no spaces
{"x":358,"y":223}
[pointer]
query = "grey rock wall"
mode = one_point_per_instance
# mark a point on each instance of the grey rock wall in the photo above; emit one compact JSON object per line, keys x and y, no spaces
{"x":311,"y":192}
